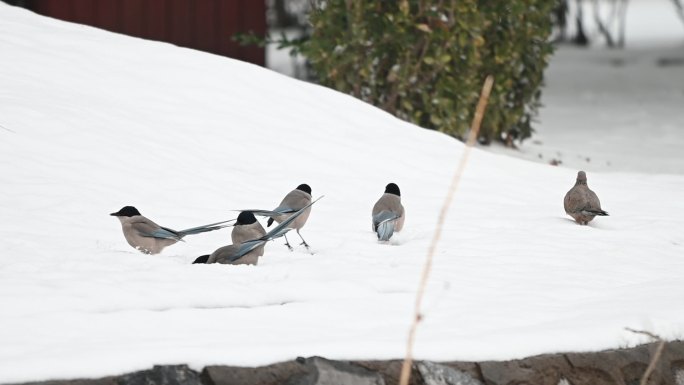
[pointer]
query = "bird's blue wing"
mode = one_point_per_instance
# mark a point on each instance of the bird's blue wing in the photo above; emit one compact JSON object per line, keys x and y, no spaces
{"x":162,"y":233}
{"x":246,"y":247}
{"x":384,"y":222}
{"x":205,"y":228}
{"x":280,"y":210}
{"x":284,"y":210}
{"x":282,"y":228}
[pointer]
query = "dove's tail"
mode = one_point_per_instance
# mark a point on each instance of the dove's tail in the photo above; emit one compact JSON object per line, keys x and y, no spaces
{"x":598,"y":212}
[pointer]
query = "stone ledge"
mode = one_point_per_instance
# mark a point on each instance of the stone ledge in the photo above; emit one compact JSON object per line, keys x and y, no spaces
{"x":610,"y":367}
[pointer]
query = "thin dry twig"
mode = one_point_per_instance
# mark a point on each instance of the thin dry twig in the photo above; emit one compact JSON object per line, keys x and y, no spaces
{"x":474,"y":130}
{"x":604,"y":29}
{"x":656,"y":356}
{"x":679,"y":6}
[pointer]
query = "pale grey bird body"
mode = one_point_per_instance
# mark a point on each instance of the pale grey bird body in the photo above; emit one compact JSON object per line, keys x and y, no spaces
{"x":581,"y":203}
{"x":388,"y":213}
{"x":227,"y":254}
{"x":247,"y":252}
{"x":247,"y":228}
{"x":145,"y":235}
{"x":293,"y":201}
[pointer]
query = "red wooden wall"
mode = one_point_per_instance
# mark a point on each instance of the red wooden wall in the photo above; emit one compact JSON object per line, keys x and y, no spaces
{"x":206,"y":25}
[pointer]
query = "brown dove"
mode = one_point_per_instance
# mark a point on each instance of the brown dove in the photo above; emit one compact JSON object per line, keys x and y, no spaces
{"x":581,"y":203}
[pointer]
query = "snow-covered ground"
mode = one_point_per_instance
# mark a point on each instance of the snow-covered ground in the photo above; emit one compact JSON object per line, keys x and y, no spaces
{"x":91,"y":121}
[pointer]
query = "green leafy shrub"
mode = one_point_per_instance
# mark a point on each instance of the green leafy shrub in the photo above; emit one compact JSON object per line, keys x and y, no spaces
{"x":425,"y":60}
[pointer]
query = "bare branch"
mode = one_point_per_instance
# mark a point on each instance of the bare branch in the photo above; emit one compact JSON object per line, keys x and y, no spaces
{"x":656,"y":356}
{"x":622,"y":20}
{"x":474,"y":130}
{"x":680,"y":8}
{"x":602,"y":27}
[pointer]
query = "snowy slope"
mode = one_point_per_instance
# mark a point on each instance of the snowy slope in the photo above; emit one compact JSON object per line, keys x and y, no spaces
{"x":92,"y":121}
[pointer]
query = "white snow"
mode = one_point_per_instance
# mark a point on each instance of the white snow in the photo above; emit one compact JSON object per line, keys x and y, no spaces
{"x":92,"y":121}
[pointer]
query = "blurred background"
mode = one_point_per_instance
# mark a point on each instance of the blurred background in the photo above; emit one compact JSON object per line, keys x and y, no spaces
{"x":593,"y":84}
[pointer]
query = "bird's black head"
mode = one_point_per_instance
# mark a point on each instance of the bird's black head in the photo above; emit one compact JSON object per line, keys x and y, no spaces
{"x":392,"y":189}
{"x":304,"y":187}
{"x":245,"y":218}
{"x":202,"y":259}
{"x":127,"y":211}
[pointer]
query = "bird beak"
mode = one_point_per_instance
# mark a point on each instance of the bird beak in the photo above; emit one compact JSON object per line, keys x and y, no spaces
{"x":114,"y":214}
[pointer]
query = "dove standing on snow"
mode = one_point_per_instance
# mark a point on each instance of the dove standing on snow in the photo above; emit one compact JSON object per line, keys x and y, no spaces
{"x":581,"y":203}
{"x":249,"y":251}
{"x":149,"y":237}
{"x":388,"y":213}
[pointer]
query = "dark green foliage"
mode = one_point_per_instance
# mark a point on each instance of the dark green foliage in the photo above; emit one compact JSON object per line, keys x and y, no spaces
{"x":425,"y":61}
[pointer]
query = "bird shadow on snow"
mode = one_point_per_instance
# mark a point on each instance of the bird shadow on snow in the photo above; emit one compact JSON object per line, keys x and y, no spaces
{"x":397,"y":239}
{"x":566,"y":220}
{"x":406,"y":236}
{"x":120,"y":250}
{"x":591,"y":224}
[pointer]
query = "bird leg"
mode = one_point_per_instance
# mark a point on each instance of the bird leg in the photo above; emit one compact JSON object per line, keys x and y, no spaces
{"x":304,"y":242}
{"x":287,"y":243}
